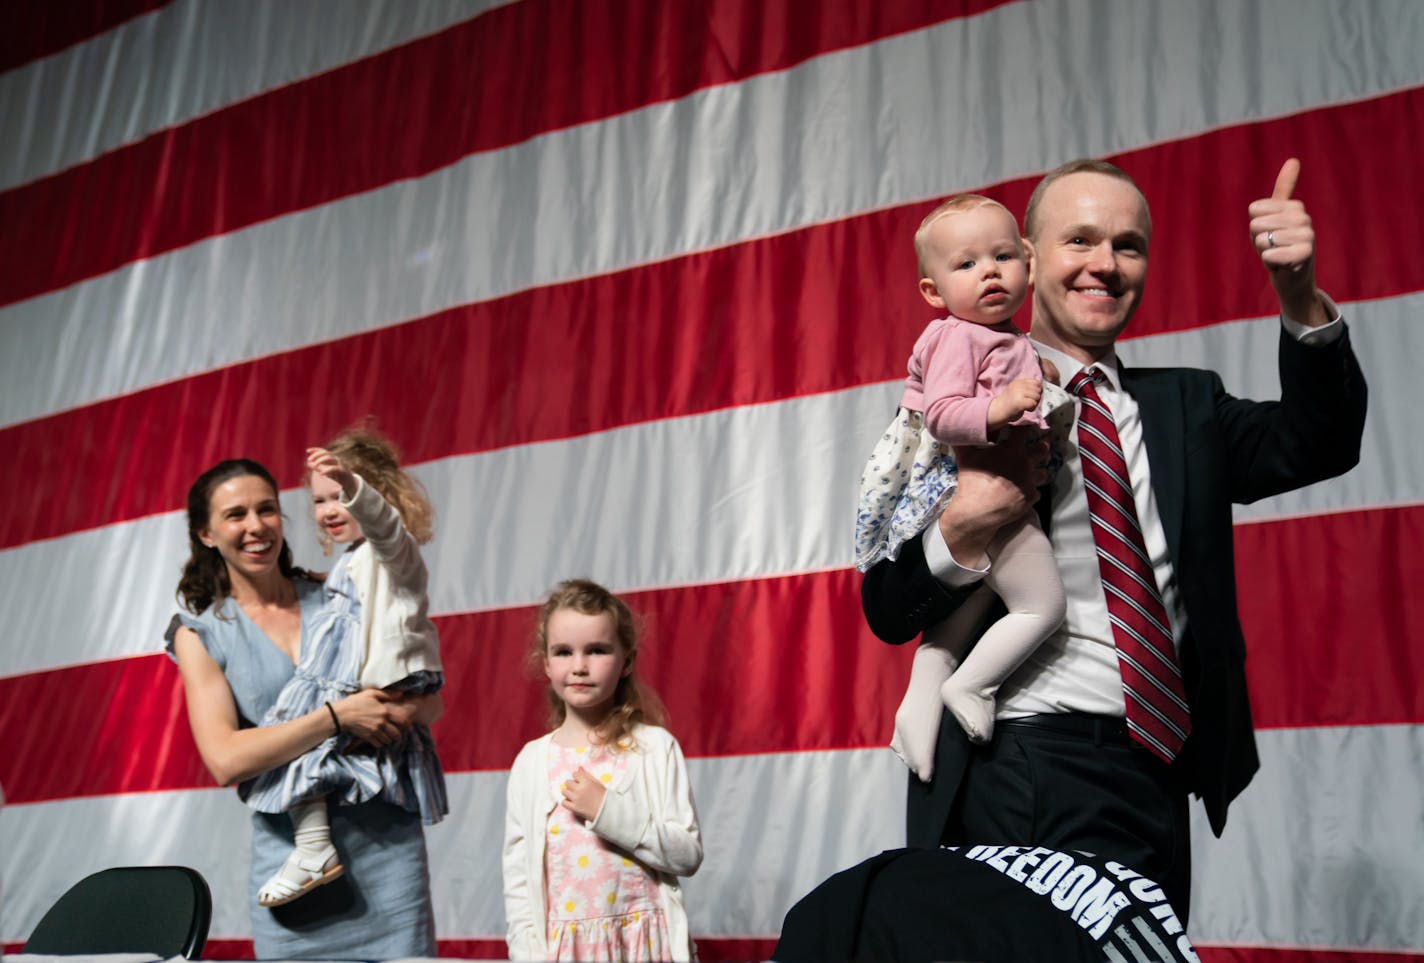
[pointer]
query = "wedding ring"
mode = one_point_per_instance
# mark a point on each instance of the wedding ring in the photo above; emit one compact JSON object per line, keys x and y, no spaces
{"x":1270,"y":239}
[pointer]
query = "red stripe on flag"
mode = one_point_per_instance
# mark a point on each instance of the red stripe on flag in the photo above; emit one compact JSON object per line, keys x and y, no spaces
{"x":743,"y":948}
{"x":754,"y":322}
{"x":125,"y":722}
{"x":783,"y":664}
{"x":471,"y":949}
{"x":1332,"y":616}
{"x":553,"y":362}
{"x":34,"y":30}
{"x":710,"y":950}
{"x":219,"y":949}
{"x":760,"y":949}
{"x":466,"y":89}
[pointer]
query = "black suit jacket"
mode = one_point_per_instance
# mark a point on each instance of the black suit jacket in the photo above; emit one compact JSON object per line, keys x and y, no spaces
{"x":1205,"y":450}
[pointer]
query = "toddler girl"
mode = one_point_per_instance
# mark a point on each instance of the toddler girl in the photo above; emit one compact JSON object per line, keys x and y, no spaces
{"x":600,"y":820}
{"x":971,"y":375}
{"x":374,"y":632}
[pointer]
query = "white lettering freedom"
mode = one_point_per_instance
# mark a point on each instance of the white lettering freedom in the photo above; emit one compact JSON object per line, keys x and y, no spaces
{"x":1092,"y":899}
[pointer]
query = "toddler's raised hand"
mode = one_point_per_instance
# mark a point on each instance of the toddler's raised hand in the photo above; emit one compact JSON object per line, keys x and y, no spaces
{"x":324,"y":463}
{"x":1008,"y":405}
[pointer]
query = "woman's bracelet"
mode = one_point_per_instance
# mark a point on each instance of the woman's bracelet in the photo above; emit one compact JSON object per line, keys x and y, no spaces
{"x":335,"y":722}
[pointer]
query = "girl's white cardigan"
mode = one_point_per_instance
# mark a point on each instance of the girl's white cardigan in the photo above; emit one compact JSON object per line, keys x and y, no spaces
{"x":647,"y":812}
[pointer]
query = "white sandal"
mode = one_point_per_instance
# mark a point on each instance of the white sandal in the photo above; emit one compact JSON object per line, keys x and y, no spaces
{"x":299,"y":875}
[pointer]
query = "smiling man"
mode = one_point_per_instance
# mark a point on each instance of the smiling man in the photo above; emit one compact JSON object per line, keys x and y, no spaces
{"x":1140,"y":697}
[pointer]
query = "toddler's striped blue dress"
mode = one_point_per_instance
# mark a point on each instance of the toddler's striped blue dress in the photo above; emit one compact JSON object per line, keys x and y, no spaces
{"x":342,"y":769}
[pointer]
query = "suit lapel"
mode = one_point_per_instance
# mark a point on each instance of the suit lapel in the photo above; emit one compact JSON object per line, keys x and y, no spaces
{"x":1159,"y":403}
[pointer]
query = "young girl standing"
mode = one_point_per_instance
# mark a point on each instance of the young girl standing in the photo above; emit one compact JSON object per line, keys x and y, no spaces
{"x":600,"y":820}
{"x":373,"y":632}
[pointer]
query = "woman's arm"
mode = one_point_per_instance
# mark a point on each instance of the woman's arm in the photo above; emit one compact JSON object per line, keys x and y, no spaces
{"x":233,"y":754}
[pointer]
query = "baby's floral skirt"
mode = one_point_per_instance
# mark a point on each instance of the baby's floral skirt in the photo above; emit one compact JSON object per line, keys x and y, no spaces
{"x":906,"y":484}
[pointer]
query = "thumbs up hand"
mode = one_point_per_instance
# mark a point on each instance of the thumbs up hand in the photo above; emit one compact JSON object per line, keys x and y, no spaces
{"x":1283,"y":234}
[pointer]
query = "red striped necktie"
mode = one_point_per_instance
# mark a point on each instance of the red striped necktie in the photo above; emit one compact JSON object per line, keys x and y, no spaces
{"x":1157,"y":712}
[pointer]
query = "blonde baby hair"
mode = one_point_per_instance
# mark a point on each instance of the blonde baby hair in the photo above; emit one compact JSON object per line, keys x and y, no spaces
{"x":957,"y":204}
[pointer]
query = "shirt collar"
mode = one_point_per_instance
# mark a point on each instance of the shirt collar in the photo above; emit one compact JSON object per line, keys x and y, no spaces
{"x":1068,"y":367}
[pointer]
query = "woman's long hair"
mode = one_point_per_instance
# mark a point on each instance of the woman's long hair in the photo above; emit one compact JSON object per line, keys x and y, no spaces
{"x":633,"y":702}
{"x":205,"y":580}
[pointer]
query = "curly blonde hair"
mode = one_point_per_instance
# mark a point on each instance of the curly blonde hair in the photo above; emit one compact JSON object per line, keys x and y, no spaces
{"x":633,"y":702}
{"x":370,"y":454}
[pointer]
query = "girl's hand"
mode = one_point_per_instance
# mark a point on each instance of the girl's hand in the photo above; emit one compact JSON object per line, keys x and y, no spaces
{"x":583,"y":795}
{"x":374,"y":716}
{"x":324,"y":463}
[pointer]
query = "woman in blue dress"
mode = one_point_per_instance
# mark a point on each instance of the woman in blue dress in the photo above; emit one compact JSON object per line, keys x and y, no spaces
{"x":249,"y":609}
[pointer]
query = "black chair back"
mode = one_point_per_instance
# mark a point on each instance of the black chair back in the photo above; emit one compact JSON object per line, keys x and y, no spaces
{"x":163,"y":910}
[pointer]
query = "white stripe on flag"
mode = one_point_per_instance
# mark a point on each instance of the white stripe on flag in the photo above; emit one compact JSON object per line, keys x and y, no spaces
{"x":542,"y":212}
{"x":1322,"y":850}
{"x":202,"y":55}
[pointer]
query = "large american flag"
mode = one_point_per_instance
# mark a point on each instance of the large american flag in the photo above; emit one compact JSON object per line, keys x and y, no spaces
{"x":630,"y":282}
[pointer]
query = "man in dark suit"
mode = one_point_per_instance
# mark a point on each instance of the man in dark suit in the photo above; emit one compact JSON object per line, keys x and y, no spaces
{"x":1070,"y":765}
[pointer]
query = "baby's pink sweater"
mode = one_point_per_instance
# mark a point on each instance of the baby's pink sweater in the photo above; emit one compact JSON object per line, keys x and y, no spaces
{"x":956,"y":369}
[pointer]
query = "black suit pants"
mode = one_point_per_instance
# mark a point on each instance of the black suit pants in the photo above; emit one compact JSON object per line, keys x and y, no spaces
{"x":1092,"y":791}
